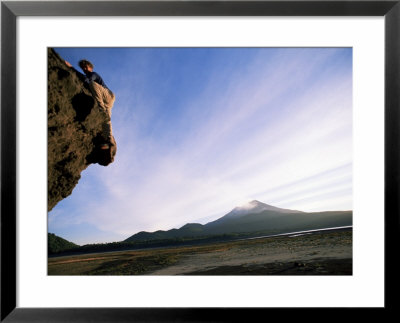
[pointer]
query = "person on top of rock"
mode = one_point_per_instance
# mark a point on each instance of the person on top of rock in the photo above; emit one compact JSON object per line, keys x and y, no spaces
{"x":101,"y":93}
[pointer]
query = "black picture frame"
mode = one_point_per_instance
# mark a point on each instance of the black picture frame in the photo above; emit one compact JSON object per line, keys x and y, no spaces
{"x":10,"y":10}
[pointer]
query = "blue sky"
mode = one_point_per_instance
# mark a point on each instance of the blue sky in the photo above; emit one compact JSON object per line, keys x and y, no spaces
{"x":202,"y":130}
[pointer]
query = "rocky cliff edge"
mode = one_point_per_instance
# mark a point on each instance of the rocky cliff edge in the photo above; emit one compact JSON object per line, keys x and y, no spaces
{"x":75,"y":124}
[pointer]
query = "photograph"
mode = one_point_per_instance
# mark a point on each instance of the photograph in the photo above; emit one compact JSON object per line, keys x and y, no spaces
{"x":200,"y":161}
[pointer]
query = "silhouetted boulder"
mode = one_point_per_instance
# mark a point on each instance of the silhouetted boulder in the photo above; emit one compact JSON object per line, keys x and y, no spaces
{"x":75,"y":124}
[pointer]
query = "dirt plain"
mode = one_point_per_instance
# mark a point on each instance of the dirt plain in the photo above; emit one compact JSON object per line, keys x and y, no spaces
{"x":321,"y":253}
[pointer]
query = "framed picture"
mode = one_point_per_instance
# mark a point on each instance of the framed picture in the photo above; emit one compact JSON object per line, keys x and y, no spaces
{"x":367,"y":33}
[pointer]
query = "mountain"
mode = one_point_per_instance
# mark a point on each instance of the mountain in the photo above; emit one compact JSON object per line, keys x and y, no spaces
{"x":254,"y":207}
{"x":75,"y":124}
{"x":57,"y":244}
{"x":252,"y":219}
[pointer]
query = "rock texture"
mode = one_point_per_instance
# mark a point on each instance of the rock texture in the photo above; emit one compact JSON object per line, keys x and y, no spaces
{"x":75,"y":124}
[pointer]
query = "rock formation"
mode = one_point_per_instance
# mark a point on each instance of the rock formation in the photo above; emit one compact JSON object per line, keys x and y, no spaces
{"x":75,"y":124}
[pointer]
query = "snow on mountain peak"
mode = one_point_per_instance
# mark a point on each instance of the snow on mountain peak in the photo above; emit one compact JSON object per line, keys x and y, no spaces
{"x":255,"y":206}
{"x":248,"y":205}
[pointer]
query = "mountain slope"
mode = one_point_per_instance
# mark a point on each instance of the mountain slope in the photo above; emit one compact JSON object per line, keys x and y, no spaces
{"x":252,"y":207}
{"x":257,"y":207}
{"x":57,"y":244}
{"x":254,"y":218}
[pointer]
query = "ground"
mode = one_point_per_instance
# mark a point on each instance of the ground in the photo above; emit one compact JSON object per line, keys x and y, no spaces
{"x":322,"y":253}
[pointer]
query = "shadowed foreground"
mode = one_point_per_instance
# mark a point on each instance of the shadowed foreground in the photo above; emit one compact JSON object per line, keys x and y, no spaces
{"x":322,"y":253}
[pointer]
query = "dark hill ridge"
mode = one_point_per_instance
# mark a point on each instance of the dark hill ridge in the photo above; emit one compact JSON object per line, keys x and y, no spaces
{"x":253,"y":218}
{"x":75,"y":124}
{"x":57,"y":244}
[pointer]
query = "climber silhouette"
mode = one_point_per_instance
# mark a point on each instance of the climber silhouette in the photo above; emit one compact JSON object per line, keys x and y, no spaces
{"x":102,"y":94}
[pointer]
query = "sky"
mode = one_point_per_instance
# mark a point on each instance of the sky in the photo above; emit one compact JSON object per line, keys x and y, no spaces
{"x":200,"y":131}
